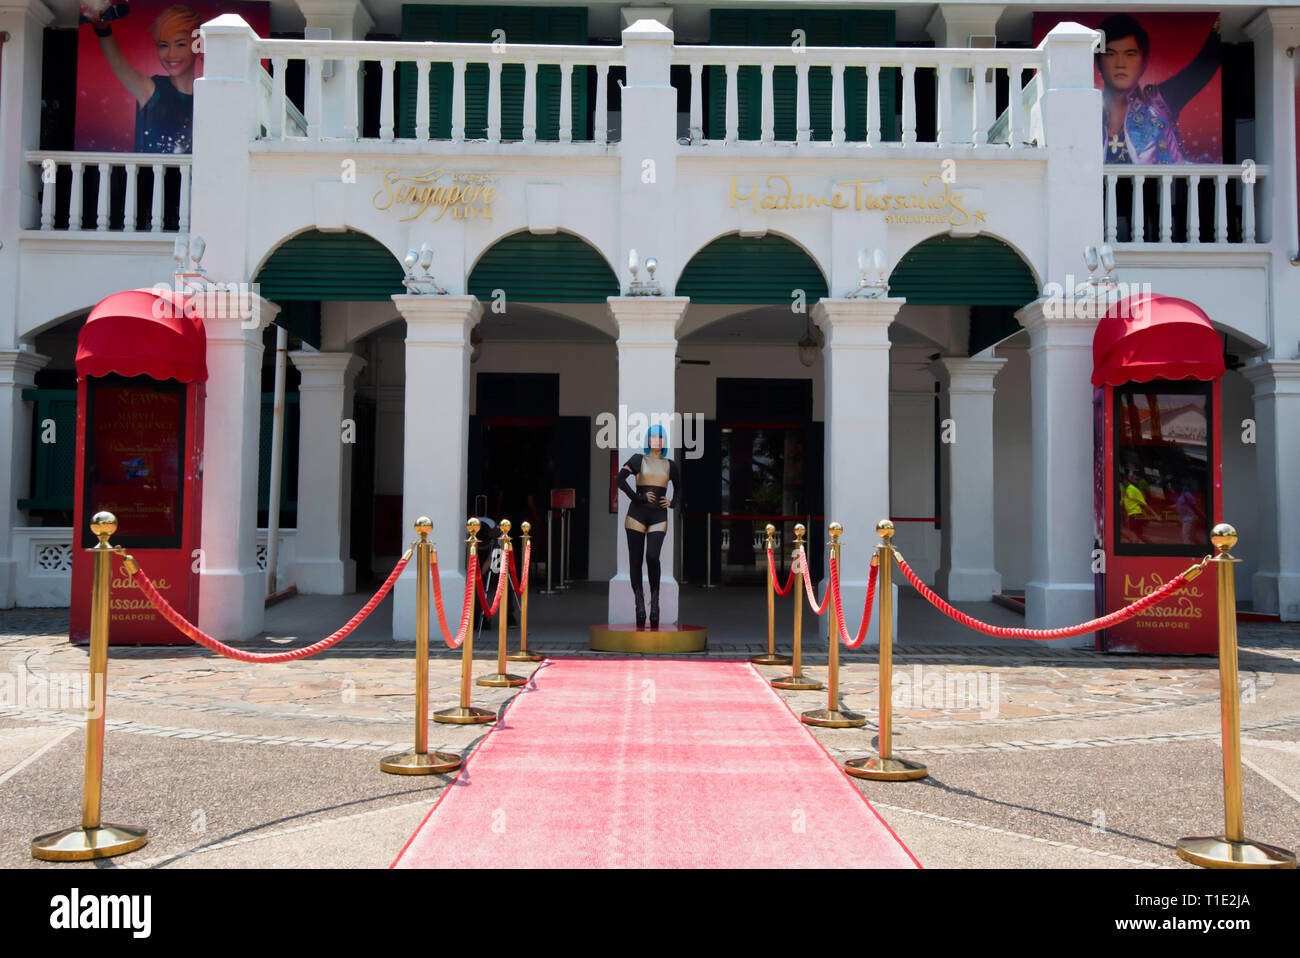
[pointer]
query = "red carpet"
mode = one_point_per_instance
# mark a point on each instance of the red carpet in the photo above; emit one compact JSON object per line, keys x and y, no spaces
{"x":645,"y":763}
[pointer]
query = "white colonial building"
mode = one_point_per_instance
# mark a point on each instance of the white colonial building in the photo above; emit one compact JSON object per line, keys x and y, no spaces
{"x":532,"y":162}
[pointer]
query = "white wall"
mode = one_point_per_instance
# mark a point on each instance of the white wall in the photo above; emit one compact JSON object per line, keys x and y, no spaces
{"x":1013,"y":465}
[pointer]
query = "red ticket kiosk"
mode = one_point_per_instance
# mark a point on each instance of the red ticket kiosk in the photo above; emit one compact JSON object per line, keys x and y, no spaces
{"x":141,"y":366}
{"x":1157,"y":363}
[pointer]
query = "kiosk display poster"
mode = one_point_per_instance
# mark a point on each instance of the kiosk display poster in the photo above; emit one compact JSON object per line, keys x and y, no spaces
{"x":136,"y":441}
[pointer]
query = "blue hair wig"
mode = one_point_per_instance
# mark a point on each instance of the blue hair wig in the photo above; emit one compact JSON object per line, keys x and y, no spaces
{"x":656,"y":430}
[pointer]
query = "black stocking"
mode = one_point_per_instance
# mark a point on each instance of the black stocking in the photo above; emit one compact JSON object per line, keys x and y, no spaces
{"x":654,"y":542}
{"x":635,"y":552}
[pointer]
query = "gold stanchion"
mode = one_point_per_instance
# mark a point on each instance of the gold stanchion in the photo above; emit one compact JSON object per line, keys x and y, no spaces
{"x":832,"y":716}
{"x":1231,"y":849}
{"x":796,"y":681}
{"x":464,"y":713}
{"x":771,"y":658}
{"x":523,"y":655}
{"x":419,"y":761}
{"x":93,"y":839}
{"x":883,"y":767}
{"x":501,"y":679}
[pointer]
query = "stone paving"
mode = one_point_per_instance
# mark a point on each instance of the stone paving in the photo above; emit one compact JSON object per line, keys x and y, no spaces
{"x":1039,"y":757}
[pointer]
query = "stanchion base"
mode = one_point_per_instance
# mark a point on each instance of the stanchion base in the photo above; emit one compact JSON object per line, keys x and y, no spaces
{"x":1218,"y":852}
{"x":82,"y":844}
{"x":885,"y":769}
{"x":501,"y":680}
{"x":797,"y":683}
{"x":469,"y":715}
{"x":833,"y":718}
{"x":420,"y":763}
{"x":773,"y":658}
{"x":667,"y":639}
{"x":528,"y":655}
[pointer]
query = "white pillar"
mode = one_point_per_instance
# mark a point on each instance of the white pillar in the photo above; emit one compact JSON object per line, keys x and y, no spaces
{"x":1276,"y":586}
{"x":952,"y":25}
{"x":225,"y":120}
{"x":1061,"y":591}
{"x":18,"y":368}
{"x":232,"y":590}
{"x":345,"y":20}
{"x":20,"y":131}
{"x":436,"y":440}
{"x":967,"y":571}
{"x":856,"y":357}
{"x":647,"y":374}
{"x":322,"y":562}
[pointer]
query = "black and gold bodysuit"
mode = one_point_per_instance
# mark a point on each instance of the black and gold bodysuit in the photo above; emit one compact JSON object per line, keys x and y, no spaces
{"x":647,"y":523}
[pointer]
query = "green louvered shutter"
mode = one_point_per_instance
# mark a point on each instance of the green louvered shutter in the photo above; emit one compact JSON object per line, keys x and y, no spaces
{"x":554,"y":268}
{"x":53,"y":463}
{"x":864,"y":28}
{"x":321,"y":266}
{"x":738,"y":269}
{"x":461,"y":24}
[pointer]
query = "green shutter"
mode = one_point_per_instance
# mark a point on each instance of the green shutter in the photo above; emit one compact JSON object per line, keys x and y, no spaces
{"x":460,"y":24}
{"x":555,"y":268}
{"x":321,"y":266}
{"x":963,"y":271}
{"x":738,"y":269}
{"x":827,"y":28}
{"x":54,"y":463}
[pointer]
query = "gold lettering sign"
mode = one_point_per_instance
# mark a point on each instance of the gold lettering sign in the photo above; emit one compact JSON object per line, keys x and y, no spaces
{"x":938,"y":205}
{"x":468,"y":196}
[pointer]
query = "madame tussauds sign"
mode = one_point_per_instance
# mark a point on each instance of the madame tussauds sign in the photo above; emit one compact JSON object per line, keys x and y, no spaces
{"x":937,"y":202}
{"x":467,"y":196}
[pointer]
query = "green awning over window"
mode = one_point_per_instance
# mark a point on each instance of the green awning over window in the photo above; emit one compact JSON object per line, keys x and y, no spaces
{"x":963,"y":271}
{"x":739,"y":269}
{"x":552,"y":268}
{"x":330,"y":266}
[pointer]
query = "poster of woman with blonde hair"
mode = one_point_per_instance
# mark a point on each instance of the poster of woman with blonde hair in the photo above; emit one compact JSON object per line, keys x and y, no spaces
{"x":142,"y":58}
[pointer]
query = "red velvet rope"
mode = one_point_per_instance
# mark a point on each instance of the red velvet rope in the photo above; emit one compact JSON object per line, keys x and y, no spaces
{"x":518,"y":584}
{"x":193,"y":632}
{"x":470,"y":577}
{"x":808,"y":587}
{"x":1114,"y":618}
{"x":839,"y":605}
{"x":488,"y":612}
{"x":771,"y":571}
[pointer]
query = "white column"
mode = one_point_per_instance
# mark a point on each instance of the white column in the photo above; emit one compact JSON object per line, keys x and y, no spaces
{"x":856,"y":357}
{"x":18,"y":368}
{"x":232,"y":590}
{"x":647,"y":374}
{"x":967,"y":572}
{"x":436,"y":439}
{"x":952,"y":25}
{"x":20,"y":131}
{"x":1061,"y":591}
{"x":322,"y":562}
{"x":1276,"y":586}
{"x":346,"y":20}
{"x":225,"y":119}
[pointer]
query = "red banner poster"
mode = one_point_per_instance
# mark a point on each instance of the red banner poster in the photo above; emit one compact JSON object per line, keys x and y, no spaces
{"x":136,"y":66}
{"x":1161,"y":83}
{"x":137,"y":457}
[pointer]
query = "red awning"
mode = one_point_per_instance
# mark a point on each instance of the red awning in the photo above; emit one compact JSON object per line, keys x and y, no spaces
{"x":143,"y":332}
{"x":1148,"y":337}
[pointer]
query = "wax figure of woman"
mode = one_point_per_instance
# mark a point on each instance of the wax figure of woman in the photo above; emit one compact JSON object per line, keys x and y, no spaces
{"x":647,"y":515}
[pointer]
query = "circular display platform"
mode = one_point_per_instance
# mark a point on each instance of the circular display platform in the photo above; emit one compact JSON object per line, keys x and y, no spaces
{"x":667,"y":638}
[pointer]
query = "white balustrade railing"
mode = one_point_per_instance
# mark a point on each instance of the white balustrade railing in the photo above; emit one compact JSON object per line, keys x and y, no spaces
{"x":120,"y":192}
{"x":419,"y":60}
{"x":865,"y":65}
{"x":1155,"y":204}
